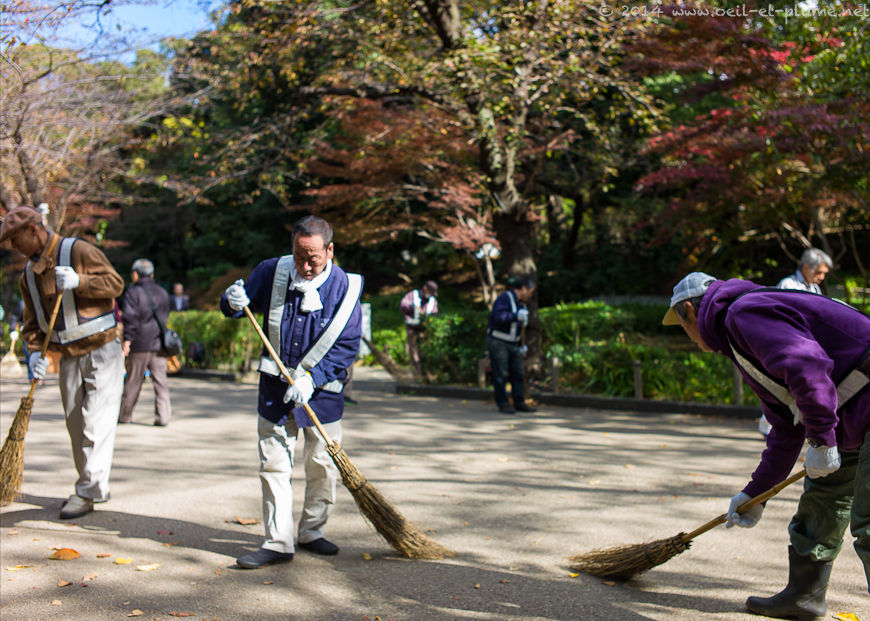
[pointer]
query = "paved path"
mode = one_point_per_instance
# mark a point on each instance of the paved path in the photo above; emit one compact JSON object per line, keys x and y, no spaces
{"x":513,"y":495}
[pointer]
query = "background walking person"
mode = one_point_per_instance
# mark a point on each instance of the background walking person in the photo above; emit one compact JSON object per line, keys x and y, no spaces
{"x":144,"y":302}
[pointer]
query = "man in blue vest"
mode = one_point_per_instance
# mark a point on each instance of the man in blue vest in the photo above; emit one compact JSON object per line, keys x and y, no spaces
{"x":87,"y":337}
{"x":312,"y":318}
{"x":508,"y":318}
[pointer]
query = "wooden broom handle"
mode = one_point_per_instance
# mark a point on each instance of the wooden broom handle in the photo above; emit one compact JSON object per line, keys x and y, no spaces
{"x":773,"y":491}
{"x":287,"y":375}
{"x":52,"y":320}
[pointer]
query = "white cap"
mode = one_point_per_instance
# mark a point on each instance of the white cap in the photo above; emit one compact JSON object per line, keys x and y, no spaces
{"x":692,"y":286}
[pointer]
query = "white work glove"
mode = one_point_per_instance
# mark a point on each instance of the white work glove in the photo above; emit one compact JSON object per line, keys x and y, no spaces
{"x":822,"y":461}
{"x":524,"y":350}
{"x":13,"y":335}
{"x":236,"y":296}
{"x":301,"y":390}
{"x":523,"y":316}
{"x":38,"y":365}
{"x":66,"y":277}
{"x":748,"y":518}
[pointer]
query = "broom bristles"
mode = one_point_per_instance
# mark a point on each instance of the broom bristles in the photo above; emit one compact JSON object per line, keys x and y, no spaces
{"x":12,"y":453}
{"x":624,"y":562}
{"x":405,"y":538}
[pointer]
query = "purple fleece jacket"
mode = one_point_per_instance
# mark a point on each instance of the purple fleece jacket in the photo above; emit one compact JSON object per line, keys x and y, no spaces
{"x":806,"y":341}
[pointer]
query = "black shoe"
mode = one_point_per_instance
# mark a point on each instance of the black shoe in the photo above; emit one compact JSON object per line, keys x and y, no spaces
{"x":157,"y":423}
{"x":522,"y":407}
{"x":320,"y":546}
{"x":263,"y":557}
{"x":350,"y":401}
{"x":76,"y":506}
{"x":506,"y":409}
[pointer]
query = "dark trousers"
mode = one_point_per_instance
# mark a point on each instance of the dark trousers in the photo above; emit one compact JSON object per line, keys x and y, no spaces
{"x":507,"y":365}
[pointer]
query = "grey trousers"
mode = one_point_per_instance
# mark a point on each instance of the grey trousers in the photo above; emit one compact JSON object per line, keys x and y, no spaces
{"x":90,"y":389}
{"x":137,"y":363}
{"x":277,"y":444}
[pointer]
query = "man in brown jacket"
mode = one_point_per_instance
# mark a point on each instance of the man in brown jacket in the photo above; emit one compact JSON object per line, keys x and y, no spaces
{"x":87,"y":337}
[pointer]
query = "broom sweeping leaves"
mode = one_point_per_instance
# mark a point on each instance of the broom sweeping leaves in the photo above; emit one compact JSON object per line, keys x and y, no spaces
{"x":405,"y":538}
{"x":625,"y":562}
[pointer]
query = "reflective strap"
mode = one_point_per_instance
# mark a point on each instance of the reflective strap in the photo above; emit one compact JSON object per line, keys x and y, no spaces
{"x":280,"y":282}
{"x":430,"y":305}
{"x":335,"y":386}
{"x":339,"y":321}
{"x":414,"y":320}
{"x":846,"y":389}
{"x":512,"y":336}
{"x":87,"y":328}
{"x":73,"y":330}
{"x":37,"y":302}
{"x":779,"y":391}
{"x":268,"y":366}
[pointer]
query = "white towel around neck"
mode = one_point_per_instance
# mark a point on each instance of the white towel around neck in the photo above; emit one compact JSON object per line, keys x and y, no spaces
{"x":310,"y":297}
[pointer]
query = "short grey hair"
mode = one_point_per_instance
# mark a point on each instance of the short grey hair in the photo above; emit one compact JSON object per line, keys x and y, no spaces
{"x":812,"y":257}
{"x":143,"y":267}
{"x":680,"y":307}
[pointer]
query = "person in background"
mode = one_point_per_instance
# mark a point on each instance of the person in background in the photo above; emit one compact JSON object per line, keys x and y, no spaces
{"x":807,"y":357}
{"x":86,"y":335}
{"x":812,"y":269}
{"x":179,"y":300}
{"x":312,"y":318}
{"x":143,"y":303}
{"x":507,"y":321}
{"x":416,"y":305}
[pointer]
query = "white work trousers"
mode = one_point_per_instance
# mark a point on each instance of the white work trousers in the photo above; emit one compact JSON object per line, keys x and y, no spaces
{"x":91,"y":386}
{"x":277,"y":449}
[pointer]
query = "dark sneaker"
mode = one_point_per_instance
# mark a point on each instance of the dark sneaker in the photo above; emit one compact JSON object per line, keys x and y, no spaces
{"x":319,"y":546}
{"x":506,"y":409}
{"x":76,"y":506}
{"x":263,"y":557}
{"x":522,"y":407}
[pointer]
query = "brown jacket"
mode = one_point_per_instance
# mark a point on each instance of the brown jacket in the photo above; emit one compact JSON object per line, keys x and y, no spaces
{"x":99,"y":285}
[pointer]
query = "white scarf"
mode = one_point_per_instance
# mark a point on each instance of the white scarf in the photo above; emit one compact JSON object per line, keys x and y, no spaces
{"x":310,"y":296}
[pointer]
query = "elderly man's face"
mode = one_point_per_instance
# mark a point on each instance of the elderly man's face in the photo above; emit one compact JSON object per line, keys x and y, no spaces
{"x":815,"y":275}
{"x":27,"y":241}
{"x":310,"y":255}
{"x":690,"y":325}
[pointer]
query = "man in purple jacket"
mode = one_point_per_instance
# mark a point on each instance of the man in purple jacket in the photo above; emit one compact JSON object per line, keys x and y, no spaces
{"x":312,"y":318}
{"x":807,"y":357}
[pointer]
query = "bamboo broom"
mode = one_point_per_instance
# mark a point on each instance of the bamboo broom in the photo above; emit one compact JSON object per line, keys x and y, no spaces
{"x":406,"y":539}
{"x":12,"y":453}
{"x":625,"y":562}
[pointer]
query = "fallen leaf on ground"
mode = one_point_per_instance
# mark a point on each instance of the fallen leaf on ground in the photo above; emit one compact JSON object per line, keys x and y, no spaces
{"x":64,"y":554}
{"x":90,"y":577}
{"x":504,"y":581}
{"x":164,"y":532}
{"x":366,"y":556}
{"x":268,"y":582}
{"x":136,"y":613}
{"x":608,"y":582}
{"x":243,"y":521}
{"x":629,"y":466}
{"x":150,"y":567}
{"x":123,"y":561}
{"x":64,"y":583}
{"x":477,"y":586}
{"x":513,"y":568}
{"x":573,"y":575}
{"x":57,"y":602}
{"x":217,"y":571}
{"x":182,"y":614}
{"x":104,"y":555}
{"x":14,"y":531}
{"x":171,"y":543}
{"x":846,"y":616}
{"x":18,"y":567}
{"x":502,"y":459}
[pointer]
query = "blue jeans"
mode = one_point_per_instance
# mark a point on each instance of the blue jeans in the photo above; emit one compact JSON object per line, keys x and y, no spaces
{"x":507,"y":364}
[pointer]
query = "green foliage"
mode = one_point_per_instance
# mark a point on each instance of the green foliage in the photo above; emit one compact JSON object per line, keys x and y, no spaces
{"x":228,"y":344}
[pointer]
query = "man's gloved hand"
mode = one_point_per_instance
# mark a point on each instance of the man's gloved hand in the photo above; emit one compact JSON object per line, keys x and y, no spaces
{"x":524,"y":350}
{"x":236,"y":296}
{"x":748,"y":518}
{"x":822,"y":461}
{"x":523,"y":316}
{"x":301,"y":390}
{"x":38,"y":365}
{"x":66,"y":277}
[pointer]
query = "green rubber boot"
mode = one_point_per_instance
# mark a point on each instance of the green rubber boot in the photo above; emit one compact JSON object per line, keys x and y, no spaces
{"x":804,"y":596}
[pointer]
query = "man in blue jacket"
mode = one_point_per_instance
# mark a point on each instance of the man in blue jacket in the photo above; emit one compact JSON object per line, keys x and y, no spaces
{"x":313,"y":319}
{"x":504,"y":336}
{"x":807,"y":357}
